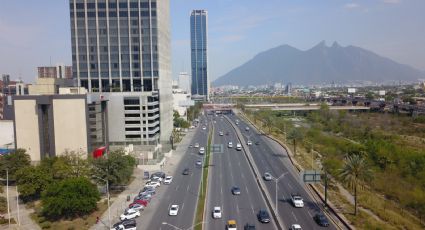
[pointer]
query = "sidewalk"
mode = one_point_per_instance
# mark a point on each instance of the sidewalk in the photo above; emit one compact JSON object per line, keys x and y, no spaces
{"x":120,"y":203}
{"x":24,"y":214}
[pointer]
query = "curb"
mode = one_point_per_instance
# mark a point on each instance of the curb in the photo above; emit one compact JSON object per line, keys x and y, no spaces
{"x":209,"y":174}
{"x":311,"y":188}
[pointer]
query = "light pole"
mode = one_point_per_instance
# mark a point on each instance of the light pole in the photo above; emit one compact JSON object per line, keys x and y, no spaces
{"x":276,"y":180}
{"x":191,"y":227}
{"x":109,"y":209}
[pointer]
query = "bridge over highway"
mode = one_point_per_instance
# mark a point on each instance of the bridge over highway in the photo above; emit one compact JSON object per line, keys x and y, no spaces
{"x":283,"y":107}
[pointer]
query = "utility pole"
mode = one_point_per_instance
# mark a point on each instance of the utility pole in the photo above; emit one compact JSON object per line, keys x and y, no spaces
{"x":17,"y":205}
{"x":7,"y":195}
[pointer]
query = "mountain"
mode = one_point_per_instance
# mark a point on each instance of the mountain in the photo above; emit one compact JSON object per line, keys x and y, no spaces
{"x":320,"y":64}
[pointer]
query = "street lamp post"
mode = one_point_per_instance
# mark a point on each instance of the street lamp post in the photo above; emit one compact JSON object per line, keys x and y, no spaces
{"x":276,"y":180}
{"x":109,"y":209}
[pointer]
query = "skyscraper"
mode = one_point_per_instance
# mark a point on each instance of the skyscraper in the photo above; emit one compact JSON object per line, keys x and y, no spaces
{"x":199,"y":54}
{"x":121,"y":50}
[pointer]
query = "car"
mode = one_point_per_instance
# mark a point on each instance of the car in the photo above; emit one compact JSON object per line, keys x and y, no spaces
{"x":247,"y":128}
{"x":129,"y":214}
{"x":168,"y":180}
{"x":267,"y":176}
{"x":142,"y":202}
{"x":153,"y":184}
{"x":125,"y":225}
{"x":231,"y":225}
{"x":237,"y":123}
{"x":216,"y":212}
{"x":190,"y":146}
{"x":158,"y":174}
{"x":147,"y":190}
{"x":136,"y":206}
{"x":186,"y":171}
{"x":236,"y":190}
{"x":321,"y":220}
{"x":220,"y":133}
{"x":297,"y":201}
{"x":202,"y":150}
{"x":198,"y":163}
{"x":249,"y":226}
{"x":263,"y":216}
{"x":249,"y":143}
{"x":238,"y":147}
{"x":156,"y":178}
{"x":196,"y":145}
{"x":174,"y":210}
{"x":257,"y":143}
{"x":143,"y":197}
{"x":227,"y":133}
{"x":230,"y":144}
{"x":296,"y":227}
{"x":204,"y":128}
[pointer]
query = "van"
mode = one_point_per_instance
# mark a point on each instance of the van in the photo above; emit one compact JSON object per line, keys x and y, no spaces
{"x":238,"y":147}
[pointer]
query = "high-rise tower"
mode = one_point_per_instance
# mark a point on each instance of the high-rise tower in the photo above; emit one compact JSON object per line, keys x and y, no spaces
{"x":199,"y":54}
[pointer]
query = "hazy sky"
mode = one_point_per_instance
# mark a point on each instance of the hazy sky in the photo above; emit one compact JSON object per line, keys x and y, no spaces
{"x":33,"y":32}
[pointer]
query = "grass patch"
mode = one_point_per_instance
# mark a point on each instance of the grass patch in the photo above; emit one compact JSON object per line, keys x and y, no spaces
{"x":82,"y":223}
{"x":199,"y":216}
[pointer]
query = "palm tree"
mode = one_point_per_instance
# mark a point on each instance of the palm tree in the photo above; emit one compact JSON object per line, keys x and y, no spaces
{"x":355,"y":171}
{"x":295,"y":135}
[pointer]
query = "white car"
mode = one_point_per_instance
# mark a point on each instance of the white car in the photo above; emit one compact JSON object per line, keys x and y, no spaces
{"x":153,"y":184}
{"x":296,"y":227}
{"x":168,"y":180}
{"x":201,"y":150}
{"x":230,"y":145}
{"x":297,"y":201}
{"x":157,"y":178}
{"x":129,"y":214}
{"x":247,"y":128}
{"x":267,"y":176}
{"x":196,"y":145}
{"x":249,"y":143}
{"x":221,"y":133}
{"x":198,"y":163}
{"x":217,"y":212}
{"x":174,"y":210}
{"x":238,"y":147}
{"x":204,"y":128}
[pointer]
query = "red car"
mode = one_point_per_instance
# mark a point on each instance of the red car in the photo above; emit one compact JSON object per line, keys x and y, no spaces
{"x":142,"y":202}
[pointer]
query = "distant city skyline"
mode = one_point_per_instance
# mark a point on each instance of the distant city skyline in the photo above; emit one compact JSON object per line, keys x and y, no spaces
{"x":238,"y":31}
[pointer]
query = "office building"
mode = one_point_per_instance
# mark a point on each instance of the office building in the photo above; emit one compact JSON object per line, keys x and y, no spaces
{"x":184,"y":82}
{"x":60,"y":71}
{"x":51,"y":125}
{"x":121,"y":51}
{"x":8,"y":89}
{"x":199,"y":54}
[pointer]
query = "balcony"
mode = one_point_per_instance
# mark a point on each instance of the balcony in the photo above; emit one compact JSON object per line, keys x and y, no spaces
{"x":153,"y":117}
{"x":153,"y":110}
{"x":153,"y":124}
{"x":153,"y":130}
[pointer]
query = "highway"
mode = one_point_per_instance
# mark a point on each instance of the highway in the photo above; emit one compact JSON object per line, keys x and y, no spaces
{"x":183,"y":190}
{"x":271,"y":157}
{"x":230,"y":168}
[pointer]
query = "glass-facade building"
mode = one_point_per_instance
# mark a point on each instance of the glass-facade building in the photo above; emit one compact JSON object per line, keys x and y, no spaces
{"x":199,"y":54}
{"x":124,"y":46}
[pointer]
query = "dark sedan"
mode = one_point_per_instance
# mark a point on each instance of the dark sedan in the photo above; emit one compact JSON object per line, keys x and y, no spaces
{"x":321,"y":220}
{"x":186,"y":171}
{"x":236,"y":190}
{"x":263,"y":216}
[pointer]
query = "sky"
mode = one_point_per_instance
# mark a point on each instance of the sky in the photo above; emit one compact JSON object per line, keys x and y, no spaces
{"x":37,"y":32}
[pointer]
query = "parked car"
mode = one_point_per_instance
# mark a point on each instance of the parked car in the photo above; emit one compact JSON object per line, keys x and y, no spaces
{"x":267,"y":176}
{"x":158,"y":174}
{"x":174,"y":210}
{"x":136,"y":206}
{"x":153,"y":184}
{"x":263,"y":216}
{"x":321,"y":220}
{"x":297,"y":201}
{"x":186,"y":171}
{"x":217,"y":212}
{"x":129,"y":214}
{"x":168,"y":180}
{"x":142,"y":202}
{"x":231,"y":225}
{"x":236,"y":190}
{"x":125,"y":225}
{"x":249,"y":226}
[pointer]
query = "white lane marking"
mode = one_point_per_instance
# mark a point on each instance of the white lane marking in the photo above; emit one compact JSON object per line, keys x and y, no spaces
{"x":294,"y":216}
{"x":310,"y":214}
{"x":182,"y":206}
{"x":289,"y":185}
{"x":177,"y":187}
{"x":221,"y":191}
{"x":187,"y":190}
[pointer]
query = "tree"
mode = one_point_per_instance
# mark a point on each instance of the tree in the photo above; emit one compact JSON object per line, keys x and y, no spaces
{"x":72,"y":197}
{"x":32,"y":181}
{"x":116,"y":167}
{"x":268,"y":122}
{"x":354,"y":171}
{"x":13,"y":162}
{"x":70,"y":164}
{"x":295,"y":135}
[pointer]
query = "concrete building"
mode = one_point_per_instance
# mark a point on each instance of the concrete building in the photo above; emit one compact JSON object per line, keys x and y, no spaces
{"x":59,"y":71}
{"x":181,"y":101}
{"x":8,"y":89}
{"x":49,"y":86}
{"x":199,"y":54}
{"x":50,"y":125}
{"x":121,"y":50}
{"x":184,"y":82}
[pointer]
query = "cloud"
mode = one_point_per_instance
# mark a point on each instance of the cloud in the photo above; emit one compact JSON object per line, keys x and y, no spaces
{"x":351,"y":6}
{"x":391,"y":1}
